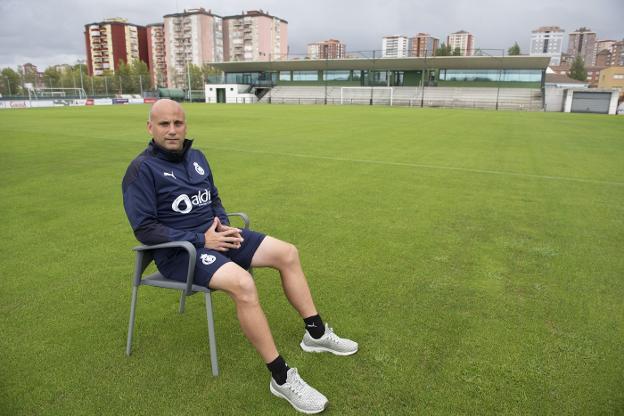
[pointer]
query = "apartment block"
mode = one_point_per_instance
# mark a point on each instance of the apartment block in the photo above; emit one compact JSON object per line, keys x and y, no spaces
{"x":113,"y":41}
{"x":195,"y":37}
{"x":582,"y":42}
{"x":327,"y":49}
{"x":255,"y":35}
{"x":156,"y":52}
{"x":547,"y":41}
{"x":463,"y":40}
{"x":423,"y":44}
{"x":395,"y":46}
{"x":617,"y":54}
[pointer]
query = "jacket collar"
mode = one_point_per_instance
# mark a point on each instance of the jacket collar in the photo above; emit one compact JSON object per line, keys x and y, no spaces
{"x":164,"y":154}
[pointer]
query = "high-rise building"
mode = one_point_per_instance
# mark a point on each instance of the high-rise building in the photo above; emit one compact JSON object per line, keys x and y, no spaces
{"x":603,"y":58}
{"x":195,"y":37}
{"x":395,"y":46}
{"x":617,"y":54}
{"x":582,"y":43}
{"x":423,"y":44}
{"x":327,"y":49}
{"x":113,"y":41}
{"x":463,"y":40}
{"x":547,"y":41}
{"x":255,"y":35}
{"x":156,"y":53}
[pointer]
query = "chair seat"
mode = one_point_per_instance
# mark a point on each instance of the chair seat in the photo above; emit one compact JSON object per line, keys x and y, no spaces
{"x":158,"y":280}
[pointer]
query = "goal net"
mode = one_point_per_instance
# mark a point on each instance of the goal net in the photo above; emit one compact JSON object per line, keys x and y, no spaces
{"x":366,"y":95}
{"x":38,"y":93}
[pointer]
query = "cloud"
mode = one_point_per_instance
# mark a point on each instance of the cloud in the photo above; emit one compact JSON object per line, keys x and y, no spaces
{"x":44,"y":32}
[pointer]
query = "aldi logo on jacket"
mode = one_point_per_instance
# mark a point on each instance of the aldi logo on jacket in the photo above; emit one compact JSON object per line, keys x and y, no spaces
{"x":171,"y":196}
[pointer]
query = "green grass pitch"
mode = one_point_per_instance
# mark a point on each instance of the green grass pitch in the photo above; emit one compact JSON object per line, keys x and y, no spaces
{"x":477,"y":257}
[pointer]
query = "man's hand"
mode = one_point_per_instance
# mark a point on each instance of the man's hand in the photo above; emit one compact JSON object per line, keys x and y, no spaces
{"x":222,"y":237}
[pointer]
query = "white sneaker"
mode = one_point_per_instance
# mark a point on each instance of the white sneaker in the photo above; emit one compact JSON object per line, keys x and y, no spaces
{"x":329,"y":342}
{"x":299,"y":394}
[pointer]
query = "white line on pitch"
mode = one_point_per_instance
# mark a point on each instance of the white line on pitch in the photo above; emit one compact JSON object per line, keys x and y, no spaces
{"x":418,"y":165}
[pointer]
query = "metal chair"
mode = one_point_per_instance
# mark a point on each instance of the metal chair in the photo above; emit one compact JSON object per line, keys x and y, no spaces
{"x":144,"y":256}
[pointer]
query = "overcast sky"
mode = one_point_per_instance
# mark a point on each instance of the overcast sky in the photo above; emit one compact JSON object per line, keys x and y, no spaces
{"x":48,"y":32}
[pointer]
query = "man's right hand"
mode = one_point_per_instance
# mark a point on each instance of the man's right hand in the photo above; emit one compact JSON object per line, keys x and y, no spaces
{"x":222,"y":240}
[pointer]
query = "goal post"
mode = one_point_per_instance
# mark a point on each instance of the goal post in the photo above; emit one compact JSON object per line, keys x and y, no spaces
{"x":367,"y":95}
{"x":39,"y":93}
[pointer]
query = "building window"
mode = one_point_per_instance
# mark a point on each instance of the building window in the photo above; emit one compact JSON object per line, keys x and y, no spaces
{"x":336,"y":75}
{"x":618,"y":76}
{"x":505,"y":75}
{"x":284,"y":76}
{"x":305,"y":76}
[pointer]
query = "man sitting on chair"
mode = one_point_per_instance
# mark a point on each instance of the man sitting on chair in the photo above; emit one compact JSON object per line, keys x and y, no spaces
{"x":169,"y":195}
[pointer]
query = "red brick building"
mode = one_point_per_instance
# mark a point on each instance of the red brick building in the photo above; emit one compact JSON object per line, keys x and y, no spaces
{"x":112,"y":41}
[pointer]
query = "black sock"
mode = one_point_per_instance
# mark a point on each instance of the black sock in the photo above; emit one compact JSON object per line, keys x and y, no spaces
{"x":278,"y":369}
{"x":314,"y":325}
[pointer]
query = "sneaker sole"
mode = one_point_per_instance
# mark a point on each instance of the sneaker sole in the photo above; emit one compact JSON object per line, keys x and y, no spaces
{"x":307,"y":348}
{"x":281,"y":396}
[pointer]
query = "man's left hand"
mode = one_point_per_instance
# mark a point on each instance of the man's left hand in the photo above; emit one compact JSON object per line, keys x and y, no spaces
{"x":222,"y":227}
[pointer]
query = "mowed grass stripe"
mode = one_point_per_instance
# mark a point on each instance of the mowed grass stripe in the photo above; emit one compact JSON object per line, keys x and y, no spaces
{"x":417,"y":165}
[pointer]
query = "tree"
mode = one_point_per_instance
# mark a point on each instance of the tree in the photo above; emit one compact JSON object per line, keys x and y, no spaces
{"x":514,"y":50}
{"x":577,"y":71}
{"x":10,"y":82}
{"x":140,"y":73}
{"x":456,"y":52}
{"x":126,"y":83}
{"x":443,"y":50}
{"x":52,"y":77}
{"x":197,"y":77}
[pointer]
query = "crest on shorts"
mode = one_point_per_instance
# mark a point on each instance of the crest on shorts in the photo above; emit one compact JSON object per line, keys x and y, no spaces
{"x":207,"y":259}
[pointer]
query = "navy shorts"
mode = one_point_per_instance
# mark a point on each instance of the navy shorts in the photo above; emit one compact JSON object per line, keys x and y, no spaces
{"x":173,"y":263}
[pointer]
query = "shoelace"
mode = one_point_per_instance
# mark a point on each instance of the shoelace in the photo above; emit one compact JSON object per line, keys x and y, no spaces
{"x":297,"y":385}
{"x":332,"y":336}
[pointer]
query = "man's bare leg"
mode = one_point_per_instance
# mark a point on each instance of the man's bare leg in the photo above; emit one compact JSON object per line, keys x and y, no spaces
{"x":285,"y":383}
{"x":239,"y":284}
{"x":284,"y":257}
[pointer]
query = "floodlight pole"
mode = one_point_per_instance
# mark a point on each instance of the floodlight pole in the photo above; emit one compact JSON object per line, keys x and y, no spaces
{"x":80,"y":61}
{"x":8,"y":85}
{"x":325,"y":76}
{"x":188,"y":74}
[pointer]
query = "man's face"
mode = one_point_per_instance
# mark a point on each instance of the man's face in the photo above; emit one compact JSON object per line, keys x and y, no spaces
{"x":167,"y":125}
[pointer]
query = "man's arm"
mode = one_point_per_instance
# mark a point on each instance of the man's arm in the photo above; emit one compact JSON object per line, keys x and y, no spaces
{"x":139,"y":197}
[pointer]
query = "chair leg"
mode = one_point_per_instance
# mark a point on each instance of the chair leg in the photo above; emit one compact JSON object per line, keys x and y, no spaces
{"x":182,"y":302}
{"x":133,"y":302}
{"x":211,"y":336}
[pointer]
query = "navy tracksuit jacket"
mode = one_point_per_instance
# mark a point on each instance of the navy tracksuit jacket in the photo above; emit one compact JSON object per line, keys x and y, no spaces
{"x":171,"y":196}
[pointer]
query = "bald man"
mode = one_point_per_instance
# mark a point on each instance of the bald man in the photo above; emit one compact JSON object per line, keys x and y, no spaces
{"x":169,"y":195}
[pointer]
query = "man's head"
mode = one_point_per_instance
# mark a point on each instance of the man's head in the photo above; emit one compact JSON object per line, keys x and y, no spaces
{"x":167,"y":124}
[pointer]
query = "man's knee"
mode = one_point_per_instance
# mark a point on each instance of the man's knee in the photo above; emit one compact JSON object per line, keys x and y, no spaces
{"x":237,"y":282}
{"x":246,"y":291}
{"x":243,"y":288}
{"x":290,"y":255}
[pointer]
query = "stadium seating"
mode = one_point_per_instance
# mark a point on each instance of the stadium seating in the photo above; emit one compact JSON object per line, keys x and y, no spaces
{"x":501,"y":98}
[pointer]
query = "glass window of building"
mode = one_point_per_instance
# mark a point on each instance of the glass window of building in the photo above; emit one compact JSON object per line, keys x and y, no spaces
{"x":508,"y":75}
{"x":305,"y":76}
{"x":336,"y":75}
{"x":284,"y":76}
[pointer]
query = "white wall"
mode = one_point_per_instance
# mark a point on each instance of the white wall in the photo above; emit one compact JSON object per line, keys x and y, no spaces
{"x":234,"y":93}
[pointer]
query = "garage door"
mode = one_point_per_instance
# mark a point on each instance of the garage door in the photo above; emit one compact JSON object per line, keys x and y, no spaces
{"x":591,"y":102}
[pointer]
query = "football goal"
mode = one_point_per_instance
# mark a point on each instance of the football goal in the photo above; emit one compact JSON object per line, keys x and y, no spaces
{"x":42,"y":93}
{"x":366,"y":95}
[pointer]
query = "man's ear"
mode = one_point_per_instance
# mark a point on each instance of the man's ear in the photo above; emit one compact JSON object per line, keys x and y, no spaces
{"x":149,"y":127}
